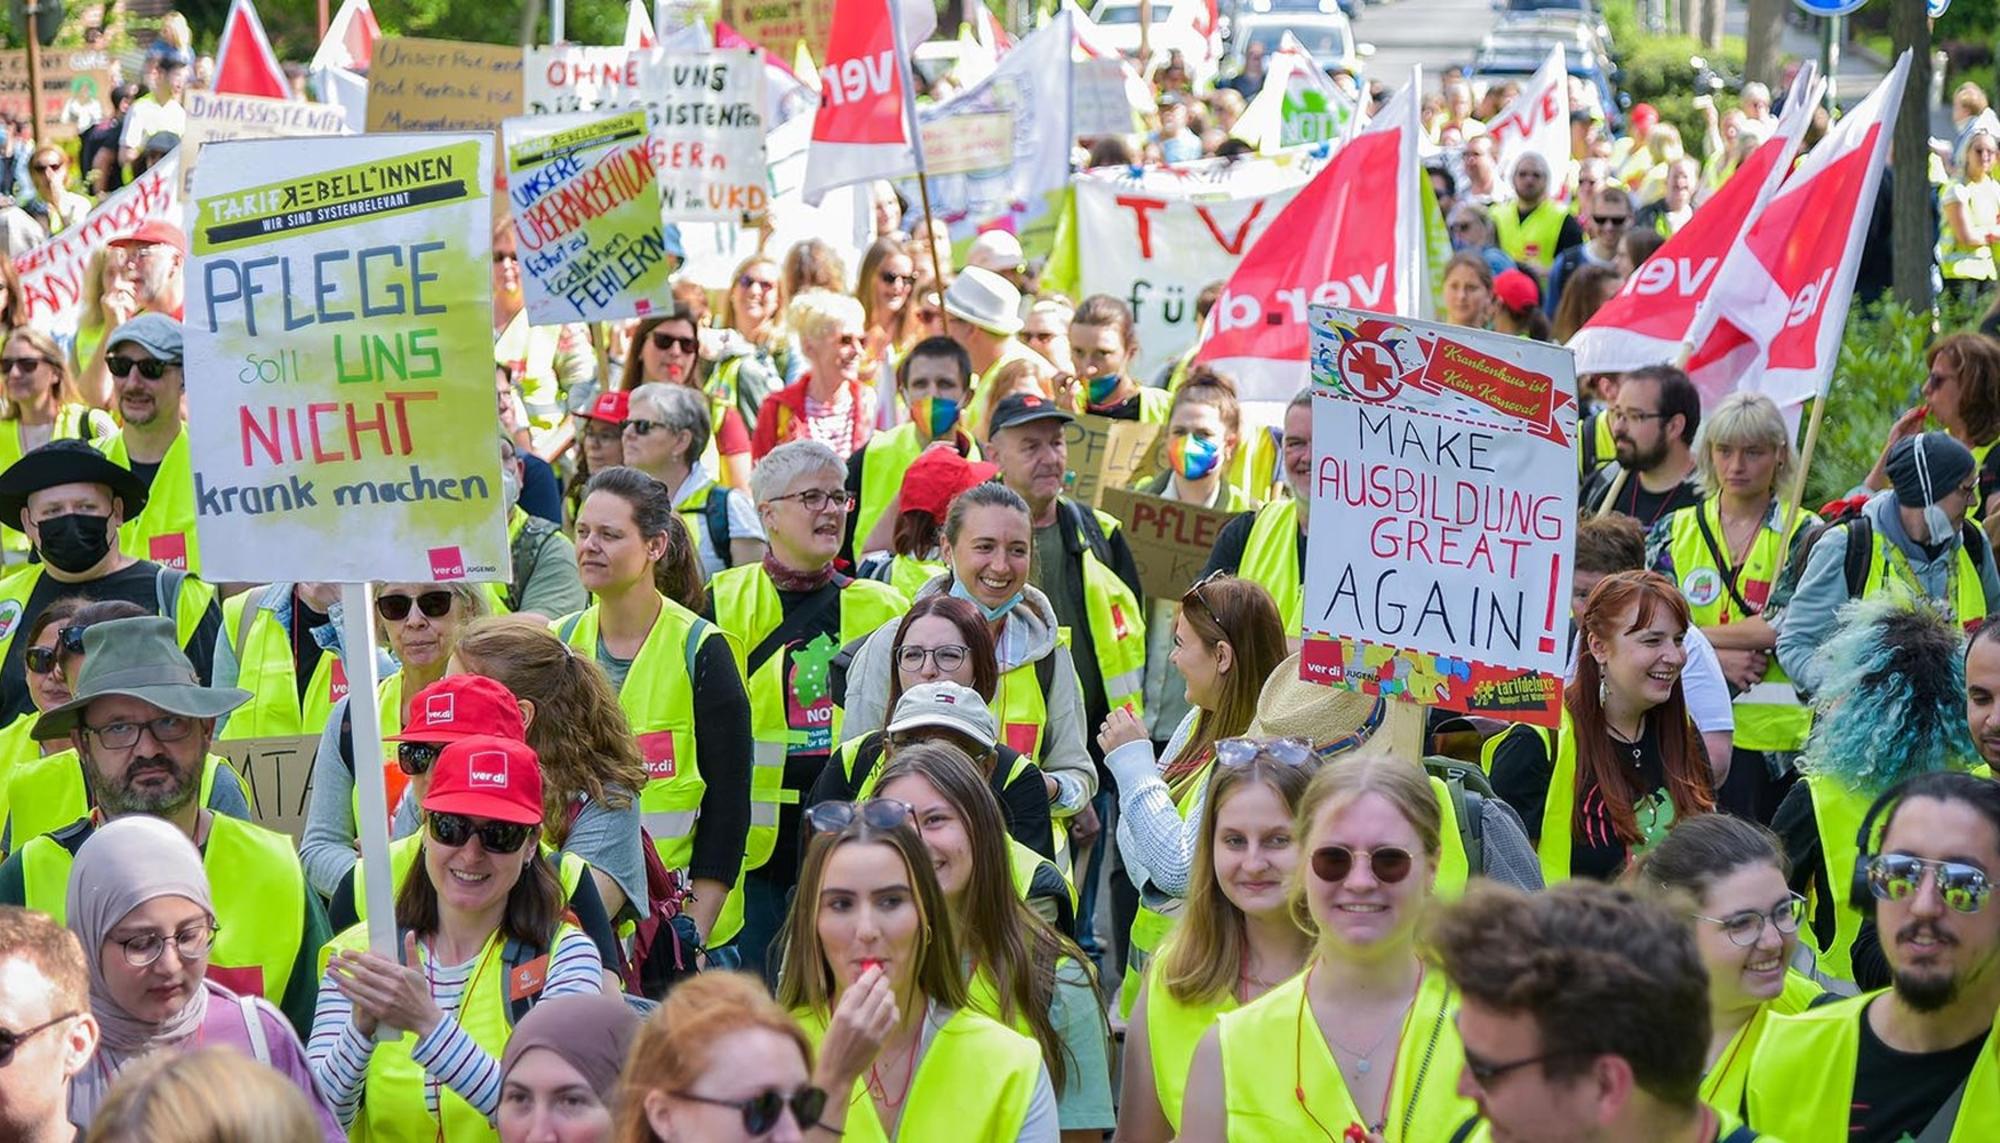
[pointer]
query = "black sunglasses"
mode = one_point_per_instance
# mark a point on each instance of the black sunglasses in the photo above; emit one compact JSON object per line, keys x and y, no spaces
{"x":41,"y":660}
{"x":889,"y":279}
{"x":1389,"y":863}
{"x":455,"y":830}
{"x":663,"y":341}
{"x":1611,"y":219}
{"x":1486,"y":1073}
{"x":150,"y":369}
{"x":396,"y":608}
{"x":644,"y":427}
{"x":761,"y":1111}
{"x":414,"y":758}
{"x":10,"y":1040}
{"x":875,"y":813}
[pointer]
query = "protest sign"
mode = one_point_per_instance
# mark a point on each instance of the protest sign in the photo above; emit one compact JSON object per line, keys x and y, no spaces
{"x":277,"y":773}
{"x":1100,"y":100}
{"x":52,"y":274}
{"x":76,"y":88}
{"x":442,"y":85}
{"x":1170,"y":540}
{"x":212,"y":118}
{"x":969,"y":143}
{"x":779,"y":25}
{"x":866,"y":124}
{"x":575,"y":77}
{"x":339,"y":341}
{"x":1104,"y":453}
{"x":1442,"y":457}
{"x":586,"y":216}
{"x":1297,"y":105}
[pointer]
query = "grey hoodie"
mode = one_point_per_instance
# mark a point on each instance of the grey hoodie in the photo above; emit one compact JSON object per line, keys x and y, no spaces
{"x":1031,"y":629}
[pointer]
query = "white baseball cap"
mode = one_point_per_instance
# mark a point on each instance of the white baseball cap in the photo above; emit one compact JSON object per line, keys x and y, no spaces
{"x":945,"y":706}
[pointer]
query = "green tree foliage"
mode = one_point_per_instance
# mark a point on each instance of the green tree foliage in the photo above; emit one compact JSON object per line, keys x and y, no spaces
{"x":293,"y":25}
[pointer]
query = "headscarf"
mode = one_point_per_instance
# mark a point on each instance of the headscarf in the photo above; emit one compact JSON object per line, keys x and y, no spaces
{"x":121,"y":866}
{"x":592,"y":1033}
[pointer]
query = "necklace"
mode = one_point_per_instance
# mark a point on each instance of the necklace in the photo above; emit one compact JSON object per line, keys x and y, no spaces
{"x":880,"y":1090}
{"x":1363,"y":1066}
{"x":1633,"y":743}
{"x":1363,"y":1063}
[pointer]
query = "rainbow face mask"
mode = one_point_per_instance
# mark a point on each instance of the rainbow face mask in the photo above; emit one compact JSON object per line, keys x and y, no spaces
{"x":938,"y":416}
{"x":1101,"y":388}
{"x":1193,"y":457}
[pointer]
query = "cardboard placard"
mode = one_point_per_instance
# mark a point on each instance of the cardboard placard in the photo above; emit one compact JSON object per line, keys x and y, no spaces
{"x":1104,"y":453}
{"x":277,"y":774}
{"x":442,"y":85}
{"x":1170,"y":540}
{"x":1099,"y":103}
{"x":76,"y":88}
{"x":778,"y":25}
{"x":212,"y":118}
{"x":976,"y":142}
{"x":586,"y":216}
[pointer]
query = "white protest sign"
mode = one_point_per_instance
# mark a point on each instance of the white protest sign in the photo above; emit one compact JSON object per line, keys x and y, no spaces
{"x":212,"y":118}
{"x":586,"y":216}
{"x":1444,"y":456}
{"x":1100,"y":97}
{"x":52,"y":274}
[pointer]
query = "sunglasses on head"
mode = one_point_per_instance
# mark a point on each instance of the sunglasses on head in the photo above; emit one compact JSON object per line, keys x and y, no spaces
{"x":1236,"y":753}
{"x":150,"y":369}
{"x":396,"y":608}
{"x":414,"y":758}
{"x":1333,"y":863}
{"x":455,"y":830}
{"x":10,"y":1040}
{"x":875,"y":813}
{"x":664,"y":342}
{"x":761,"y":1111}
{"x":1895,"y":876}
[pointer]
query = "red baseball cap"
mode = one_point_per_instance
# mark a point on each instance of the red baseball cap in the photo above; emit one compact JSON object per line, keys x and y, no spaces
{"x":1516,"y":290}
{"x":486,"y":776}
{"x":936,"y":478}
{"x":152,"y":231}
{"x":611,"y":407}
{"x":1644,"y":114}
{"x":463,"y":706}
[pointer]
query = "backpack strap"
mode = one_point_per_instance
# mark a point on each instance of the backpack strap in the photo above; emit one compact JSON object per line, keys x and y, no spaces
{"x":697,"y":632}
{"x":1089,"y":532}
{"x":716,"y":514}
{"x":1741,"y":1135}
{"x":1471,"y":809}
{"x":1729,"y":572}
{"x":1970,"y":535}
{"x":253,"y":1025}
{"x":167,"y":593}
{"x":514,"y":955}
{"x":527,"y":553}
{"x":1860,"y":554}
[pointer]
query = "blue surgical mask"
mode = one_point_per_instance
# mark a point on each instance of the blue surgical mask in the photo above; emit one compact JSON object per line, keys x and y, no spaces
{"x":1939,"y":524}
{"x":992,"y":614}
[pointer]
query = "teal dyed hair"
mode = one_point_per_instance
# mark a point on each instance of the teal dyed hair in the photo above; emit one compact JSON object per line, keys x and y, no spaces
{"x":1891,"y":702}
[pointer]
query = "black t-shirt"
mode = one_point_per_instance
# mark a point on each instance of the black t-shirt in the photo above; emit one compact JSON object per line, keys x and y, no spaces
{"x":135,"y":584}
{"x":1638,"y":502}
{"x":1234,"y":540}
{"x":1126,"y":410}
{"x":1522,"y":769}
{"x":1897,"y":1093}
{"x":306,"y":650}
{"x":146,"y":472}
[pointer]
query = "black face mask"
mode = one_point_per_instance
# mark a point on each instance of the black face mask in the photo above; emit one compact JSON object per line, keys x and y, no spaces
{"x":75,"y":542}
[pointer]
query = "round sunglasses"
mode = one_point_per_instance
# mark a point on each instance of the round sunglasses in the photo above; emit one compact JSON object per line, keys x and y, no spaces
{"x":1388,"y":863}
{"x":396,"y":608}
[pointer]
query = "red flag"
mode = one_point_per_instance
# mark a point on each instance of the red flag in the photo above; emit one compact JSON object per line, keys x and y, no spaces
{"x":864,"y":128}
{"x":1654,"y":312}
{"x":1342,"y":241}
{"x":639,"y":26}
{"x":1781,"y":298}
{"x":244,"y":63}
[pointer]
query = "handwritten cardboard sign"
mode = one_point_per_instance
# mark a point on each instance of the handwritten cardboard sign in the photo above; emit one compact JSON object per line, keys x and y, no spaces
{"x":977,"y":142}
{"x":586,"y":216}
{"x":1170,"y":540}
{"x":76,"y":88}
{"x":442,"y":85}
{"x":278,"y":772}
{"x":1104,"y":453}
{"x":1442,"y":459}
{"x":779,"y":25}
{"x":212,"y":118}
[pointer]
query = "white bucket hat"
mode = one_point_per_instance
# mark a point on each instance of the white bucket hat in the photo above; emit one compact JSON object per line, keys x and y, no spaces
{"x":985,"y":299}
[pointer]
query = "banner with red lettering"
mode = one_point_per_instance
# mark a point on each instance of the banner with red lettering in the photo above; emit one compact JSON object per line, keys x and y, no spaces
{"x":1536,"y":121}
{"x":53,"y":274}
{"x":1156,"y":236}
{"x":1780,"y":300}
{"x":1652,"y":317}
{"x":1351,"y":238}
{"x":1443,"y":465}
{"x":865,"y":125}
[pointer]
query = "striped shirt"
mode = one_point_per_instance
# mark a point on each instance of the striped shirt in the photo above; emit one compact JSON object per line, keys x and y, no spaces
{"x":338,"y":1052}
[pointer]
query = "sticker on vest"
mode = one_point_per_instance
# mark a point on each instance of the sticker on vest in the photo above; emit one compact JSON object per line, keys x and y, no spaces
{"x":1702,"y":586}
{"x":1118,"y":628}
{"x":169,"y":550}
{"x":1020,"y":737}
{"x":10,"y":618}
{"x":528,"y":979}
{"x":657,"y":748}
{"x":245,"y":981}
{"x":808,"y":698}
{"x":336,"y":685}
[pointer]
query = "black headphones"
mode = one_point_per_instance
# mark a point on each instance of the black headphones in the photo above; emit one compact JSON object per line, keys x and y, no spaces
{"x":1859,"y":894}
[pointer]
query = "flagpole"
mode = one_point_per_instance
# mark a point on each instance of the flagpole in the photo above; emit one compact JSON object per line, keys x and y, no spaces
{"x":1793,"y":499}
{"x":916,"y":136}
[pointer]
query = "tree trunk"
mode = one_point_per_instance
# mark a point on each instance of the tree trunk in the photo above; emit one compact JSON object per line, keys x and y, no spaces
{"x":1711,"y":25}
{"x":1911,"y":233}
{"x":1691,"y":18}
{"x":1765,"y":31}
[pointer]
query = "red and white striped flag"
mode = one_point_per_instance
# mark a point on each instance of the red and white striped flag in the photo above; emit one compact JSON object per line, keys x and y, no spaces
{"x":865,"y":127}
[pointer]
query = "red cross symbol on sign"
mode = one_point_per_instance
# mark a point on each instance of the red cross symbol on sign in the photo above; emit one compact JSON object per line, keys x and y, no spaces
{"x":1371,"y":370}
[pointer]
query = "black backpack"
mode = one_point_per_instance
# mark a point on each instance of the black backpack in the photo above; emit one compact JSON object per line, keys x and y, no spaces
{"x":1860,"y":553}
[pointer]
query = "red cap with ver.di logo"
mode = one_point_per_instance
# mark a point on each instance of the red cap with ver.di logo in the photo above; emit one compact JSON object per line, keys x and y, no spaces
{"x":461,"y":706}
{"x":485,"y":776}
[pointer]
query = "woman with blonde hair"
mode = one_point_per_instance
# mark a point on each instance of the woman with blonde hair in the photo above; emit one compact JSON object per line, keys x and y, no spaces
{"x":40,"y":401}
{"x":211,"y":1095}
{"x":109,"y":283}
{"x":829,"y":402}
{"x":1365,"y":1040}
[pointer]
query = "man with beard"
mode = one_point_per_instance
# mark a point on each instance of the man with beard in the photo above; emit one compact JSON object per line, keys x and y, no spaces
{"x":71,"y":500}
{"x":1916,"y":1061}
{"x":158,"y":254}
{"x":1982,"y":692}
{"x":1652,"y":429}
{"x":1269,"y":544}
{"x":141,"y":724}
{"x":144,"y":359}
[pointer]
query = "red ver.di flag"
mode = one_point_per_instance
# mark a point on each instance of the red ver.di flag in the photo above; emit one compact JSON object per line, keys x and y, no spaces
{"x":1442,"y":459}
{"x":1537,"y":120}
{"x":1351,"y":237}
{"x":864,"y":126}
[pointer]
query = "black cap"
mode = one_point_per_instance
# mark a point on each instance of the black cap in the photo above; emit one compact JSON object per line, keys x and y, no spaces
{"x":1022,"y":408}
{"x":65,"y":461}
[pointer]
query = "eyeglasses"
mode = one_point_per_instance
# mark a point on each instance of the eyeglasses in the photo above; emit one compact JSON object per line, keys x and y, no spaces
{"x":1236,"y":753}
{"x":948,"y":656}
{"x":1389,"y":863}
{"x":817,"y":500}
{"x":761,"y":1111}
{"x":1611,"y":219}
{"x":150,"y":369}
{"x":10,"y":1040}
{"x":455,"y":830}
{"x":189,"y":944}
{"x":46,"y":168}
{"x":125,"y":735}
{"x":905,"y":280}
{"x":1486,"y":1073}
{"x":396,"y":608}
{"x":415,"y":758}
{"x":1462,"y":227}
{"x":746,"y":282}
{"x":23,"y":364}
{"x":41,"y":660}
{"x":1624,"y":414}
{"x":665,"y":342}
{"x":1747,"y":928}
{"x":1894,"y":876}
{"x":499,"y":258}
{"x":875,"y":813}
{"x":644,"y":428}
